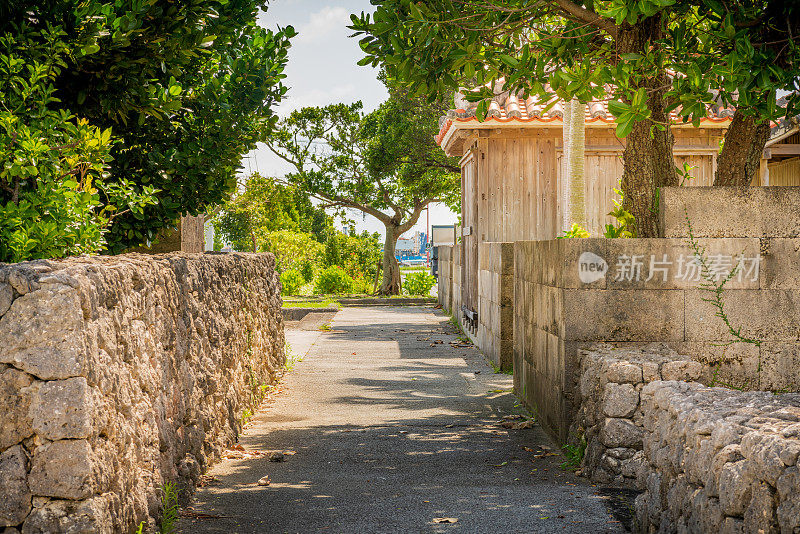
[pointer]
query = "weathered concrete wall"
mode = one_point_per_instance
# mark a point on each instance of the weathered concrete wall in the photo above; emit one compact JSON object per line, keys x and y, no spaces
{"x":457,"y":265}
{"x":445,"y":280}
{"x":731,"y":211}
{"x":118,"y":374}
{"x":496,"y":302}
{"x":641,"y":294}
{"x":719,"y":460}
{"x":611,"y":416}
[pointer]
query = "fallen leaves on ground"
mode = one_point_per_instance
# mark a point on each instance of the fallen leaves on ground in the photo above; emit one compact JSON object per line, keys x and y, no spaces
{"x":518,"y":425}
{"x":445,"y":520}
{"x":189,"y":512}
{"x":239,"y":452}
{"x":205,"y":480}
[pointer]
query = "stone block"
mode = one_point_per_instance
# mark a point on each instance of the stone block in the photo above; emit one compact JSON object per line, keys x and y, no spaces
{"x":684,"y":370}
{"x":730,"y":211}
{"x":736,"y":483}
{"x":62,"y":469}
{"x":92,"y":515}
{"x":63,"y":409}
{"x":6,"y":297}
{"x":736,"y":364}
{"x":780,"y":366}
{"x":506,"y":258}
{"x":788,"y":511}
{"x":759,"y":516}
{"x":623,"y":315}
{"x":621,"y":433}
{"x":40,"y":333}
{"x":15,"y":503}
{"x":779,"y":264}
{"x":15,"y":401}
{"x":623,"y":373}
{"x":620,"y":400}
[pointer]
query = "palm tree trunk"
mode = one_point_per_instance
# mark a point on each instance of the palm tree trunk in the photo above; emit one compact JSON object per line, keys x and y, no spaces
{"x":576,"y":164}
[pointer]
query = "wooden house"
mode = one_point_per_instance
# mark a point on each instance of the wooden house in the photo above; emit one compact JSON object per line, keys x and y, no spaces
{"x":512,"y":171}
{"x":780,"y":164}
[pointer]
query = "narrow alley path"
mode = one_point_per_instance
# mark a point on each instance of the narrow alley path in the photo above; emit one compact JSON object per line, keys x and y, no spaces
{"x":395,"y":430}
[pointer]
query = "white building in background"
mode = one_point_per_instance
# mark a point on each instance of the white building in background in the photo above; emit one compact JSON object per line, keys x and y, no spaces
{"x":209,"y":232}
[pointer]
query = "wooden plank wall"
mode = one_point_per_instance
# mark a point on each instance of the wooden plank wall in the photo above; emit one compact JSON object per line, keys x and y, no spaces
{"x":786,"y":172}
{"x":519,"y":182}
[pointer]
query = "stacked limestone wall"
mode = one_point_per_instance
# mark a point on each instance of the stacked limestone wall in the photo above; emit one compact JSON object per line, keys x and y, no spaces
{"x":120,"y":374}
{"x":611,"y":414}
{"x":706,"y":459}
{"x":720,"y":460}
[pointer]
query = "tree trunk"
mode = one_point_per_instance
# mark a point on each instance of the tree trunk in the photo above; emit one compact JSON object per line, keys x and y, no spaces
{"x":741,"y":154}
{"x":391,"y":268}
{"x":576,"y":164}
{"x":648,"y":161}
{"x":565,"y":185}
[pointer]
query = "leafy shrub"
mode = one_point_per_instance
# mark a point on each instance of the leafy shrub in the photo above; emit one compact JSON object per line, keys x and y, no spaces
{"x":292,"y":281}
{"x":626,"y":222}
{"x":419,"y":283}
{"x":333,"y":280}
{"x":293,"y":249}
{"x":357,"y":254}
{"x":307,"y":271}
{"x":55,"y":196}
{"x":576,"y":231}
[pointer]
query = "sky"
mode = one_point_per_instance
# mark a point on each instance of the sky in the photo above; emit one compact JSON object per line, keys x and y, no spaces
{"x":322,"y":70}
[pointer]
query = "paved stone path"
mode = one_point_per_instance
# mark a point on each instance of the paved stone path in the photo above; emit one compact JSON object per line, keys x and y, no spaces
{"x":395,"y":429}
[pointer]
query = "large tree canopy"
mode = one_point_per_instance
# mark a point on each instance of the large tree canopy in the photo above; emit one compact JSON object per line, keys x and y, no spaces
{"x":186,"y":86}
{"x":649,"y":57}
{"x":264,"y":205}
{"x":384,"y":164}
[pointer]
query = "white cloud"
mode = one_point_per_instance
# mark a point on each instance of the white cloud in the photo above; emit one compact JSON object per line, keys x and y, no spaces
{"x":324,"y":24}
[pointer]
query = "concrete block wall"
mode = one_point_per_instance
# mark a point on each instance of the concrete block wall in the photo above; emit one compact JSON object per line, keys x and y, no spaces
{"x":731,"y":211}
{"x":457,"y":265}
{"x":558,"y":309}
{"x":496,"y":302}
{"x":445,"y":281}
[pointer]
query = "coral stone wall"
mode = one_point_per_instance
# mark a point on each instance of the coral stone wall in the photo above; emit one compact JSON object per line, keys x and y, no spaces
{"x":720,"y":460}
{"x":706,"y":459}
{"x":118,"y":374}
{"x":611,"y":416}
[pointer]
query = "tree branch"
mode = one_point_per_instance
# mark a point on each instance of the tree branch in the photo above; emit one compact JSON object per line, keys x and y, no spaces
{"x":581,"y":14}
{"x":347,"y":203}
{"x":412,"y":220}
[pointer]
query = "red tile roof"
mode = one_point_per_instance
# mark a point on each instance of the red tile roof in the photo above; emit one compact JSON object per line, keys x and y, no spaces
{"x":509,"y":108}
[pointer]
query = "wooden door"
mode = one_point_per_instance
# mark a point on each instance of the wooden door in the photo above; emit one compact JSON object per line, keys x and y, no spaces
{"x":470,"y":237}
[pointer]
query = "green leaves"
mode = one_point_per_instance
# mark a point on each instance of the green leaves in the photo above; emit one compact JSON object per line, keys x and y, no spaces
{"x":90,"y":49}
{"x":186,"y":91}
